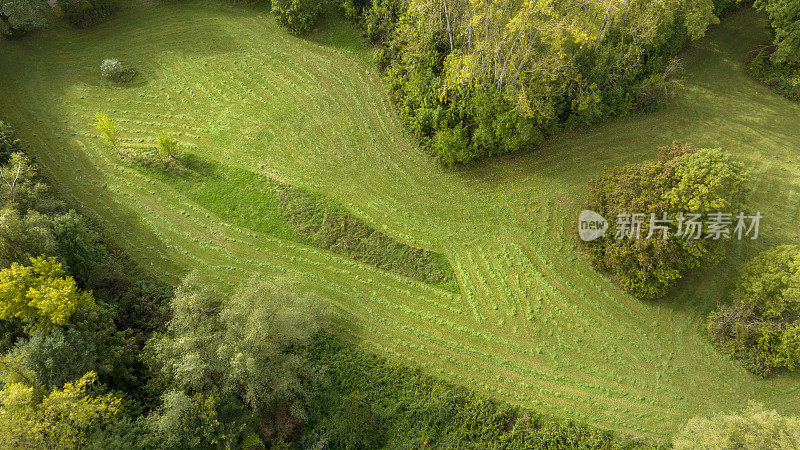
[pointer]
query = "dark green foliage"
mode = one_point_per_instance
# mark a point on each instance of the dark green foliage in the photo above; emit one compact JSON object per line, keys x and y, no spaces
{"x":783,"y":77}
{"x":130,"y":304}
{"x":319,"y":223}
{"x":297,"y":16}
{"x":79,"y":247}
{"x":18,"y":17}
{"x":400,"y":407}
{"x":761,"y":327}
{"x":55,"y":357}
{"x":9,"y":143}
{"x":681,"y":179}
{"x":85,"y":13}
{"x":358,"y":427}
{"x":266,"y":205}
{"x":784,"y":18}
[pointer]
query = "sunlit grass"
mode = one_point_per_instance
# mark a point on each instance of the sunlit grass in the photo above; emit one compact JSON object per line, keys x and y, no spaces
{"x":532,"y":324}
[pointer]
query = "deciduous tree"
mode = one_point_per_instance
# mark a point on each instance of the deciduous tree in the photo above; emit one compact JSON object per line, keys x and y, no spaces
{"x":39,"y":294}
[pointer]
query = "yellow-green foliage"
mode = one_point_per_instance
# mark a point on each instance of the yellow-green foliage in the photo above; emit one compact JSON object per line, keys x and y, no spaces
{"x":60,"y":419}
{"x":167,"y":147}
{"x":108,"y":130}
{"x":753,"y":428}
{"x":39,"y":294}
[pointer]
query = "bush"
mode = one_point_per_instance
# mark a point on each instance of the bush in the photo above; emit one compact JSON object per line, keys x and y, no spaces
{"x":111,"y":68}
{"x":762,"y":325}
{"x":681,"y":179}
{"x":297,"y":16}
{"x":452,"y":145}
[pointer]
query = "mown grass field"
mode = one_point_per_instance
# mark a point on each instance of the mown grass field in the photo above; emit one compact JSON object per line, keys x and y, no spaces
{"x":533,"y":323}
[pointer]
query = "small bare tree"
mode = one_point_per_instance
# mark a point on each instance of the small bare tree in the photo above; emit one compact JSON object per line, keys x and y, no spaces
{"x":12,"y":184}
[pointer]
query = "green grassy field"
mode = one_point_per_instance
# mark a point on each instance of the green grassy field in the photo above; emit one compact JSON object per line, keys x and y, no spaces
{"x":532,"y":323}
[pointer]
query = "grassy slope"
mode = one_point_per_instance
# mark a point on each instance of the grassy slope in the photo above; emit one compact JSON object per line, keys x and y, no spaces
{"x":534,"y":324}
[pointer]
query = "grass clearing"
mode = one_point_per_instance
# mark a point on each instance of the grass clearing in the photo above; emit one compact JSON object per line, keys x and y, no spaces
{"x":532,"y":324}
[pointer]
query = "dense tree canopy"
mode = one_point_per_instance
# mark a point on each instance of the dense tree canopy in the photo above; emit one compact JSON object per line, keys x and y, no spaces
{"x":537,"y":65}
{"x":249,"y":347}
{"x":20,"y":16}
{"x":60,"y":418}
{"x":681,"y":180}
{"x":753,"y":428}
{"x":39,"y":294}
{"x":762,"y":325}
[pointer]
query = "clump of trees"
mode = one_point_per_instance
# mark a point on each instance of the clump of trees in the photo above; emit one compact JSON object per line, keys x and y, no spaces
{"x":761,"y":327}
{"x":681,"y":179}
{"x":479,"y":78}
{"x":247,"y":352}
{"x":754,"y":427}
{"x":297,"y":16}
{"x":18,"y":17}
{"x":74,"y":316}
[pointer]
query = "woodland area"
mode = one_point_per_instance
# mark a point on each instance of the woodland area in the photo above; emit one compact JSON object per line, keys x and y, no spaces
{"x":388,"y":322}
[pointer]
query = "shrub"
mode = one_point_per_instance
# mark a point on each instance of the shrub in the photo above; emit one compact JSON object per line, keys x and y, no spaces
{"x":762,"y":325}
{"x":297,"y":16}
{"x":111,"y":68}
{"x":681,"y":179}
{"x":167,"y":147}
{"x":783,"y":77}
{"x":452,"y":145}
{"x":660,"y":87}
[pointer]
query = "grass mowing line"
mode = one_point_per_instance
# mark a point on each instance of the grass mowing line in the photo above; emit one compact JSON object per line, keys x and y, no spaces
{"x":311,"y":114}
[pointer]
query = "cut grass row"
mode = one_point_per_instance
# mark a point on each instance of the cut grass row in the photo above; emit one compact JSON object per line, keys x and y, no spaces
{"x":259,"y":203}
{"x":532,"y":323}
